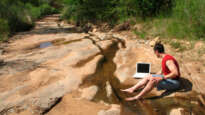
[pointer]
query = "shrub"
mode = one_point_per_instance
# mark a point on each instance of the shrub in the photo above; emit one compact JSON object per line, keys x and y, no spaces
{"x":19,"y":15}
{"x":4,"y":29}
{"x":45,"y":9}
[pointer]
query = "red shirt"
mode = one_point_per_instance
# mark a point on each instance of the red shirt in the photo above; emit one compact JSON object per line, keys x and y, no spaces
{"x":165,"y":69}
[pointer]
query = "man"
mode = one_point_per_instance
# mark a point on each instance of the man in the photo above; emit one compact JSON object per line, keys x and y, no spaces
{"x":166,"y":79}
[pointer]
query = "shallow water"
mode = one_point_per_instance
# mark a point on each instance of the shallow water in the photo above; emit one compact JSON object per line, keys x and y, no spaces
{"x":45,"y":44}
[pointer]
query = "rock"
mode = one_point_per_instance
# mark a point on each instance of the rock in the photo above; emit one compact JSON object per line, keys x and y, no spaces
{"x":153,"y":42}
{"x":114,"y":110}
{"x":177,"y":111}
{"x":121,"y":27}
{"x":94,"y":30}
{"x":1,"y":61}
{"x":22,"y":113}
{"x":108,"y":36}
{"x":72,"y":106}
{"x":137,"y":27}
{"x":198,"y":45}
{"x":180,"y":111}
{"x":1,"y":52}
{"x":108,"y":89}
{"x":89,"y":93}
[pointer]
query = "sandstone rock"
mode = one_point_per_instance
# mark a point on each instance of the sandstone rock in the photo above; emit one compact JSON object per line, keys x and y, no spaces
{"x":114,"y":110}
{"x":72,"y":106}
{"x":154,"y":41}
{"x":177,"y":111}
{"x":137,"y":27}
{"x":198,"y":45}
{"x":1,"y":52}
{"x":94,"y":30}
{"x":22,"y":113}
{"x":89,"y":93}
{"x":108,"y":89}
{"x":1,"y":61}
{"x":180,"y":111}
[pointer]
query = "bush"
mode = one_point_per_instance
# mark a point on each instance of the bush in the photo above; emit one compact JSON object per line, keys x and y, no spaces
{"x":45,"y":9}
{"x":4,"y":29}
{"x":19,"y":15}
{"x":112,"y":10}
{"x":89,"y":10}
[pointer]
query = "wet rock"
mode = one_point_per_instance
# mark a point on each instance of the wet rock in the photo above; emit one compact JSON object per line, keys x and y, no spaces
{"x":114,"y":110}
{"x":89,"y":93}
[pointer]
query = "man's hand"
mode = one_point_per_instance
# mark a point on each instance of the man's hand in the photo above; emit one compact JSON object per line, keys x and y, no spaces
{"x":157,"y":79}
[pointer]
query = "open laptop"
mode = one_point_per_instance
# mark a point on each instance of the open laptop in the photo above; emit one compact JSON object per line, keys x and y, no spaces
{"x":142,"y":70}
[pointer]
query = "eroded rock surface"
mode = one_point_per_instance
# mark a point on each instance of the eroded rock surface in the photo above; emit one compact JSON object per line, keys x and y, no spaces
{"x":60,"y":70}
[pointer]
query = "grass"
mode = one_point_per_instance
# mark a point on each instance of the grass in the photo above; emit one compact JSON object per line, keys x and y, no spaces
{"x":185,"y":22}
{"x":201,"y":51}
{"x":142,"y":34}
{"x":178,"y":46}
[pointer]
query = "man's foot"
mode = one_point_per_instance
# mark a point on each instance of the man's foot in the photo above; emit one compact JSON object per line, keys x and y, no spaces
{"x":133,"y":98}
{"x":129,"y":90}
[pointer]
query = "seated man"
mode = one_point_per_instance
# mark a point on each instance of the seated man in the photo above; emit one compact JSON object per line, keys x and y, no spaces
{"x":166,"y":79}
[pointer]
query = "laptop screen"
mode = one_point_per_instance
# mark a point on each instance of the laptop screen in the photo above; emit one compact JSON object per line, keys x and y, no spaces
{"x":143,"y":68}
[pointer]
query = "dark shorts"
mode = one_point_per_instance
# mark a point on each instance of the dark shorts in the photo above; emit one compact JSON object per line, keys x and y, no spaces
{"x":168,"y":84}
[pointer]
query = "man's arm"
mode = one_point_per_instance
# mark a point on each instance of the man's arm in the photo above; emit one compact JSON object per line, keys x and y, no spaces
{"x":172,"y":67}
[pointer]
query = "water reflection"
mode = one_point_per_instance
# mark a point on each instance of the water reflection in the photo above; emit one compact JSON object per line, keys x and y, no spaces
{"x":45,"y":45}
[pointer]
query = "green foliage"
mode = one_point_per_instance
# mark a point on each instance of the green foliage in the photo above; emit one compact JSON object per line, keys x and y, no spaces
{"x":83,"y":11}
{"x":188,"y":19}
{"x":112,"y":10}
{"x":177,"y":45}
{"x":19,"y":15}
{"x":141,"y":34}
{"x":4,"y":29}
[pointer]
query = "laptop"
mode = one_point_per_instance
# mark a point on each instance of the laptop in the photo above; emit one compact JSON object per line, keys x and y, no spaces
{"x":142,"y":70}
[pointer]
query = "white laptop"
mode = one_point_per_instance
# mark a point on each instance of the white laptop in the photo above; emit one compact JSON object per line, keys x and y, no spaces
{"x":142,"y":70}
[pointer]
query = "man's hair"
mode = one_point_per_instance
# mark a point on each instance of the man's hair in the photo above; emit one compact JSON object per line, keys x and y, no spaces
{"x":159,"y":47}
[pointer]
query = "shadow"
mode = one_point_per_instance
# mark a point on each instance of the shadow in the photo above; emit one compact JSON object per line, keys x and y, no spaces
{"x":18,"y":66}
{"x":56,"y":102}
{"x":185,"y":86}
{"x":48,"y":30}
{"x":104,"y":75}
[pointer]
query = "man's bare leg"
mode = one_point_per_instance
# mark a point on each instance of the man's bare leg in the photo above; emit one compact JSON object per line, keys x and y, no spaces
{"x":140,"y":84}
{"x":150,"y":85}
